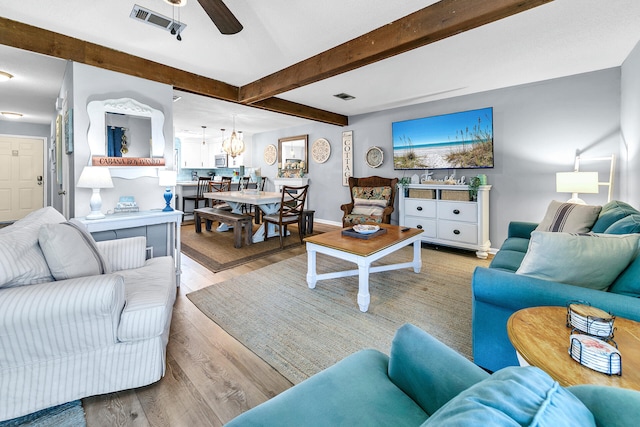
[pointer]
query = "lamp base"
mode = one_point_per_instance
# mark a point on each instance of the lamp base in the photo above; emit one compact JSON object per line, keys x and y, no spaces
{"x":95,"y":215}
{"x":575,"y":199}
{"x":167,"y":198}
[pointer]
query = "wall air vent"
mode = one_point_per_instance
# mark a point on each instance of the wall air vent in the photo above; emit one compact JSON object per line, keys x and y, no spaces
{"x":139,"y":13}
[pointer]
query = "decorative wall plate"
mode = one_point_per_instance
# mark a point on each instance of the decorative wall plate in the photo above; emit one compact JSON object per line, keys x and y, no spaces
{"x":374,"y":157}
{"x":270,"y":154}
{"x":320,"y":150}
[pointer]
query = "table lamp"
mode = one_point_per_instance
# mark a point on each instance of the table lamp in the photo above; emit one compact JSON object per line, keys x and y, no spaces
{"x":577,"y":182}
{"x":95,"y":177}
{"x":167,"y":178}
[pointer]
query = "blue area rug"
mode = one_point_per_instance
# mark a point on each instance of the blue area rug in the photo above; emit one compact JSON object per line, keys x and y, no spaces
{"x":68,"y":415}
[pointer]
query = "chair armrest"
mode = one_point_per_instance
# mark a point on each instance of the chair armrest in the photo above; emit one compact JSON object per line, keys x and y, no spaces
{"x":515,"y":292}
{"x":347,"y":208}
{"x":124,"y":254}
{"x":427,"y":370}
{"x":521,"y":229}
{"x":43,"y":321}
{"x":610,"y":406}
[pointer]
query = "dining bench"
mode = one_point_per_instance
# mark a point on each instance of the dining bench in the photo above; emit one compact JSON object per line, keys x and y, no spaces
{"x":237,"y":221}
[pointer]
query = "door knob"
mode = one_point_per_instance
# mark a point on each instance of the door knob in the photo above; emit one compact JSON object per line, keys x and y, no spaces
{"x":62,"y":193}
{"x":39,"y":178}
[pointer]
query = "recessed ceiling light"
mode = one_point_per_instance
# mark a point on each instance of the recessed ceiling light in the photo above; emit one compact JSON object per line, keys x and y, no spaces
{"x":4,"y":76}
{"x":345,"y":96}
{"x":10,"y":115}
{"x":176,"y":98}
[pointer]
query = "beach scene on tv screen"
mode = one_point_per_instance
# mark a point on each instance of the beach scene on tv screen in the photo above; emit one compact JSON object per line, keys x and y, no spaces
{"x":461,"y":140}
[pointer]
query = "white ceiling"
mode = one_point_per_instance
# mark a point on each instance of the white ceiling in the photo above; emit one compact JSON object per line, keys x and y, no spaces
{"x":561,"y":38}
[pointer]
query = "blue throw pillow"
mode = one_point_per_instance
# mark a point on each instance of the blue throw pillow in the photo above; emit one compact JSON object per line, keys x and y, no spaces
{"x":627,"y":225}
{"x":514,"y":396}
{"x":611,"y":213}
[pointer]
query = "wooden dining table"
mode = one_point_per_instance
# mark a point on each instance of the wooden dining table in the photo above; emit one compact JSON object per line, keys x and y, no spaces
{"x":267,"y":201}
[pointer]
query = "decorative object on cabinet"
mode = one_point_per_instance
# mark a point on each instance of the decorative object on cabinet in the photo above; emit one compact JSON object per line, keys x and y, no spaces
{"x":447,"y":216}
{"x":347,"y":156}
{"x":270,"y":154}
{"x":234,"y":145}
{"x":126,"y":204}
{"x":474,"y":184}
{"x":292,"y":155}
{"x":374,"y":157}
{"x":95,"y":178}
{"x":320,"y":150}
{"x":167,"y":178}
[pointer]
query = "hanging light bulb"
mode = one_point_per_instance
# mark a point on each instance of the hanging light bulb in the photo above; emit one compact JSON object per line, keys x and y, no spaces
{"x":203,"y":141}
{"x":234,"y":145}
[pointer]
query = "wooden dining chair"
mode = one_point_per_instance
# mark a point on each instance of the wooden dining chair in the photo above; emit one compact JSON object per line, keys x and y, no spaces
{"x":218,"y":186}
{"x":291,"y":207}
{"x":203,"y":187}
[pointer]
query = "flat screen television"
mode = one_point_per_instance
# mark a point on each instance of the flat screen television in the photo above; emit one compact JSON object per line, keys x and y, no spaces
{"x":461,"y":140}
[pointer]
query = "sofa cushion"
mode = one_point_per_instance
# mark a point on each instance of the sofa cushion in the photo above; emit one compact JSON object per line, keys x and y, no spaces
{"x":588,"y":260}
{"x":368,"y":207}
{"x":514,"y":396}
{"x":21,"y":260}
{"x":611,"y":213}
{"x":627,"y":225}
{"x":70,"y":251}
{"x":569,"y":217}
{"x":627,"y":282}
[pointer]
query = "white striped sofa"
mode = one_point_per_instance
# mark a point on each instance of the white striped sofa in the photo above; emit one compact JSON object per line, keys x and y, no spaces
{"x":61,"y":340}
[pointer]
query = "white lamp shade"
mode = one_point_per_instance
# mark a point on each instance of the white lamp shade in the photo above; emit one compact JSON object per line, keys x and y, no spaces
{"x":95,"y":177}
{"x":577,"y":182}
{"x":167,"y":178}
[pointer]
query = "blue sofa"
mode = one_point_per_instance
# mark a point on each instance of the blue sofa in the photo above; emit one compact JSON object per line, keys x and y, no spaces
{"x":498,"y":292}
{"x":423,"y":382}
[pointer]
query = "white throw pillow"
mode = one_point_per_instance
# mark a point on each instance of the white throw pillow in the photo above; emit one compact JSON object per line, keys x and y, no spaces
{"x":368,"y":207}
{"x":70,"y":251}
{"x":588,"y":260}
{"x":569,"y":217}
{"x":21,"y":260}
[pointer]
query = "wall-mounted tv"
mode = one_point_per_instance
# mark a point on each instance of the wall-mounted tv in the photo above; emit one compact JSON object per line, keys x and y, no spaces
{"x":461,"y":140}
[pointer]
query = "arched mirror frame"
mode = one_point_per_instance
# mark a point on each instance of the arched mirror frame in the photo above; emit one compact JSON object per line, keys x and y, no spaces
{"x":97,"y":132}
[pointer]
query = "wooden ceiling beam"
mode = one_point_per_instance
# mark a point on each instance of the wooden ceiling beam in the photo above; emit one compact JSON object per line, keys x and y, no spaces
{"x":436,"y":22}
{"x":38,"y":40}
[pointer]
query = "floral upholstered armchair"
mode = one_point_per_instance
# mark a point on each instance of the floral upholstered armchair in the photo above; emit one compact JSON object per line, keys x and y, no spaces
{"x":372,"y":200}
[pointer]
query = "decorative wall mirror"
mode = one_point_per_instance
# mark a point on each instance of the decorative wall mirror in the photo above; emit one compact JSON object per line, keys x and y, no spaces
{"x":292,"y":155}
{"x":124,"y":132}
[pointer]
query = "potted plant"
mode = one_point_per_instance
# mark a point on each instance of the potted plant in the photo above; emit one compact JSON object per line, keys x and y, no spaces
{"x":474,"y":184}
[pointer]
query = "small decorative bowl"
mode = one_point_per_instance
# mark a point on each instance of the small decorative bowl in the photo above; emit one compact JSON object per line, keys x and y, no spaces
{"x":366,"y":228}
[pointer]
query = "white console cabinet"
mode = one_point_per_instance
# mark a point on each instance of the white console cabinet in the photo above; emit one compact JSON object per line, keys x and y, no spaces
{"x":447,"y":216}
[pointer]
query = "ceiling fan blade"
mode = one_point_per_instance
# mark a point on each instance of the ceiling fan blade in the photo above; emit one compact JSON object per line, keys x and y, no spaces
{"x":221,"y":16}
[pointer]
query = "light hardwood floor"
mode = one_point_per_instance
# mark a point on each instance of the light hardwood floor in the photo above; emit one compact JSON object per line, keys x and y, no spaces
{"x":210,"y":376}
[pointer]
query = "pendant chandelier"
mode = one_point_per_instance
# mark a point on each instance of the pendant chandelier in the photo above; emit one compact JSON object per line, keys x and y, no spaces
{"x":234,"y":145}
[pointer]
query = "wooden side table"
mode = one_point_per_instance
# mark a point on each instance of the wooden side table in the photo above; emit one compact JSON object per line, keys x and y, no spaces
{"x":541,"y":337}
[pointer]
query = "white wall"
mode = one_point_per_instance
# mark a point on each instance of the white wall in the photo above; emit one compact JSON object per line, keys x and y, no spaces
{"x":92,"y":84}
{"x":537,"y":130}
{"x":630,"y":125}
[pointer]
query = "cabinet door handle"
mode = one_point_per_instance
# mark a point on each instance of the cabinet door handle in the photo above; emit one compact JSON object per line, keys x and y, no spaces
{"x":419,"y":226}
{"x":456,"y":211}
{"x":456,"y":231}
{"x":419,"y":208}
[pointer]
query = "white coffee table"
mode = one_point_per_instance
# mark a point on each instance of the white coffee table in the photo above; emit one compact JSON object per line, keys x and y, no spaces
{"x":362,"y":252}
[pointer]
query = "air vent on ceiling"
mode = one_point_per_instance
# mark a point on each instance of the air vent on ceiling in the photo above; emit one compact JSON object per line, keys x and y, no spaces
{"x":345,"y":96}
{"x":152,"y":18}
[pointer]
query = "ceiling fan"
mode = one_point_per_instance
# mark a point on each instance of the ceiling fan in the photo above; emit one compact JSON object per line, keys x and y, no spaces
{"x":219,"y":13}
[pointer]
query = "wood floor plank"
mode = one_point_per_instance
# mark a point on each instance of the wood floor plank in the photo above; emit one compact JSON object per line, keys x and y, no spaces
{"x":211,"y":377}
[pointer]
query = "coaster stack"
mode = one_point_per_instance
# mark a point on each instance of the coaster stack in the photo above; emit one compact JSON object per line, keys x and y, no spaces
{"x":591,"y":340}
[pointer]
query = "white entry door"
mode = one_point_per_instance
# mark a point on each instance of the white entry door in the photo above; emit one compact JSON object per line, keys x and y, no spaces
{"x":21,"y":176}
